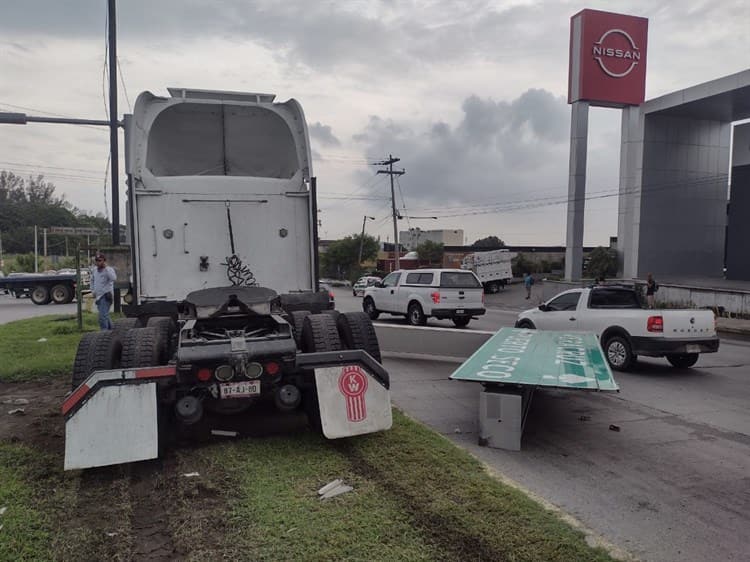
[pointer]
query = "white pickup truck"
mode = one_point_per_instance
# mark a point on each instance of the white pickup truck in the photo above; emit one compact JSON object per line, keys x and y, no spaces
{"x":624,"y":328}
{"x":422,"y":293}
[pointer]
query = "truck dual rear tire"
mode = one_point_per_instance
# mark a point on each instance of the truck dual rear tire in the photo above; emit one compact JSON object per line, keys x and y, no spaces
{"x":40,"y":295}
{"x":142,"y":347}
{"x":357,"y":332}
{"x":319,"y":333}
{"x":97,"y":351}
{"x":61,"y":294}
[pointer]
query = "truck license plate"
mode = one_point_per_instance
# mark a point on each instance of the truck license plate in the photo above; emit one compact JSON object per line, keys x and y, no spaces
{"x":693,"y":348}
{"x":239,"y":389}
{"x":460,"y":311}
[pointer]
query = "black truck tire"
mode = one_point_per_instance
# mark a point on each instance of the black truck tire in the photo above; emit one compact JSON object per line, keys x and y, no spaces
{"x":415,"y":316}
{"x":618,"y":353}
{"x":357,"y":332}
{"x":97,"y":351}
{"x":142,"y":347}
{"x":166,"y":328}
{"x":368,"y":305}
{"x":122,"y":325}
{"x":40,"y":295}
{"x":319,"y":333}
{"x":461,"y":321}
{"x":297,"y":318}
{"x":493,"y":287}
{"x":683,"y":360}
{"x":61,"y":294}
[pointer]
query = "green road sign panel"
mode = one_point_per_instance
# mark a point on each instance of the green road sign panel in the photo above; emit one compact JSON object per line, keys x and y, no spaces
{"x":539,"y":358}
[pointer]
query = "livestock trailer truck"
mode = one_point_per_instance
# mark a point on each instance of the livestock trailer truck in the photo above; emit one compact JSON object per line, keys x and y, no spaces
{"x":224,"y":310}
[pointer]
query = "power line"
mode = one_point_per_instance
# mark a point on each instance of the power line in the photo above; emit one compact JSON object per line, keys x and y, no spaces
{"x":391,"y":172}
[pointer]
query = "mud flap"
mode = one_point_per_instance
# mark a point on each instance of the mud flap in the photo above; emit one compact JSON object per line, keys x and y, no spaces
{"x":117,"y":424}
{"x":352,"y":401}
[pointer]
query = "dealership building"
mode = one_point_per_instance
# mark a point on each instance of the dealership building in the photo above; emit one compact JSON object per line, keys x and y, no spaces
{"x":679,"y":154}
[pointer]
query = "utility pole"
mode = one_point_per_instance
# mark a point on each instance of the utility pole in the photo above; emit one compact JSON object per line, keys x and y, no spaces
{"x":361,"y":238}
{"x":36,"y":249}
{"x":391,"y":172}
{"x":44,"y":237}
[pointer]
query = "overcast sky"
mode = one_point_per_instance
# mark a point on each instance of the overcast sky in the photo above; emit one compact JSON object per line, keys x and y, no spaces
{"x":470,"y":94}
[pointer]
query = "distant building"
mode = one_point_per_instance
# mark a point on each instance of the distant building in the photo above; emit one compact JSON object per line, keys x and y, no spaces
{"x":413,"y":237}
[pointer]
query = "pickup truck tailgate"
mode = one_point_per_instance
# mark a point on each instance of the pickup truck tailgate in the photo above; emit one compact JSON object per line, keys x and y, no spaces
{"x":688,"y":324}
{"x":461,"y":290}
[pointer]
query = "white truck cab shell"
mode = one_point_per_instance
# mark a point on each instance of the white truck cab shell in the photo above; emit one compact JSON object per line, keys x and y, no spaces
{"x":204,"y":164}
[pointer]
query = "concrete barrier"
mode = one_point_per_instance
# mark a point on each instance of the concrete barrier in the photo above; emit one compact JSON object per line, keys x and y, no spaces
{"x":447,"y":344}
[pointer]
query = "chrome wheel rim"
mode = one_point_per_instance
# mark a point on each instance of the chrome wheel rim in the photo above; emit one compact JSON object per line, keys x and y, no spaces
{"x":616,"y":353}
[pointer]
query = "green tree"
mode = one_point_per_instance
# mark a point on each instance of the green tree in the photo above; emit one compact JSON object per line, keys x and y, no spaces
{"x":488,"y":242}
{"x":602,"y":262}
{"x":521,"y":264}
{"x":341,"y":259}
{"x":430,"y":251}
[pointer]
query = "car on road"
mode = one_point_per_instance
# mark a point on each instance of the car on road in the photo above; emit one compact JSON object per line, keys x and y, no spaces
{"x":326,"y":288}
{"x":624,"y":328}
{"x":358,"y":289}
{"x":419,"y":294}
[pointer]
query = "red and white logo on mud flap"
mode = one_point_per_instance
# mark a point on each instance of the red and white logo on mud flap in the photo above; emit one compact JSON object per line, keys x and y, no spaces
{"x":353,"y":385}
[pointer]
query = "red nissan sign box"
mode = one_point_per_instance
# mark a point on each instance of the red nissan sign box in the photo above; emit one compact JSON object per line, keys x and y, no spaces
{"x":607,"y":59}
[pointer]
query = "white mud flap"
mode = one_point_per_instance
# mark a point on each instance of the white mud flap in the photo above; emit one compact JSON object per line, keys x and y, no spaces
{"x":117,"y":424}
{"x":351,"y":402}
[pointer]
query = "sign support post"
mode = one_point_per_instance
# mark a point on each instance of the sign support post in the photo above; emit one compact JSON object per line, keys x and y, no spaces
{"x":579,"y":131}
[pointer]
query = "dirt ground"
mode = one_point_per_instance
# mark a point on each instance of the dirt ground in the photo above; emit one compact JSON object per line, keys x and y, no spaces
{"x":124,"y":512}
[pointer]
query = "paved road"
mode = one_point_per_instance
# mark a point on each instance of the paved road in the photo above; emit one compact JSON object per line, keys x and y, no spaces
{"x":12,"y":309}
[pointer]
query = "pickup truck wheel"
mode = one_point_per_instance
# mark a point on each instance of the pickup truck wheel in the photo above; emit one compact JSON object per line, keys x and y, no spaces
{"x":415,"y":316}
{"x":461,"y":321}
{"x":368,"y":305}
{"x":526,"y":325}
{"x":683,"y":360}
{"x":61,"y":294}
{"x":142,"y":347}
{"x":97,"y":351}
{"x":618,"y":352}
{"x":40,"y":295}
{"x":357,"y":332}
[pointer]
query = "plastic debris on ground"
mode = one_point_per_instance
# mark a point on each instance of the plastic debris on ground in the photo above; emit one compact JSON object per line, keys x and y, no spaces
{"x":333,"y":489}
{"x":16,"y":401}
{"x":17,"y":412}
{"x":3,"y":510}
{"x":614,"y":427}
{"x":191,"y":474}
{"x":41,"y":340}
{"x":224,"y":433}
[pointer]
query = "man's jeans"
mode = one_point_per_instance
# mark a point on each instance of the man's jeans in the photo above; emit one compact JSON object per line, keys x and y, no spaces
{"x":103,"y":305}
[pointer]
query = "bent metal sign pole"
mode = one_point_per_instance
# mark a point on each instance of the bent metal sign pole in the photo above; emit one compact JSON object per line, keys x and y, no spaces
{"x":607,"y":69}
{"x":514,"y":362}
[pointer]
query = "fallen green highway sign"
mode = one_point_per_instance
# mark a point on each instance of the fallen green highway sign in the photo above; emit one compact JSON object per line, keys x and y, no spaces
{"x":514,"y":356}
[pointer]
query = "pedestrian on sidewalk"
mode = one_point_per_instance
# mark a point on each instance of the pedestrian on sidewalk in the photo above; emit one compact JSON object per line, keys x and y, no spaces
{"x":103,"y":287}
{"x":528,"y":281}
{"x":651,"y":288}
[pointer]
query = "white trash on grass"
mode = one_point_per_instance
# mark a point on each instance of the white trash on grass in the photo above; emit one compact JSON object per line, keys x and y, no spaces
{"x":333,"y":489}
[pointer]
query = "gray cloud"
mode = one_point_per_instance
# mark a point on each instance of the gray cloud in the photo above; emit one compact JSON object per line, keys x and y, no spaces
{"x":323,"y":134}
{"x":498,"y":149}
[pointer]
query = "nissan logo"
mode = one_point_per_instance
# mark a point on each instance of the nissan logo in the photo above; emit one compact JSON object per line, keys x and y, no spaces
{"x":604,"y":54}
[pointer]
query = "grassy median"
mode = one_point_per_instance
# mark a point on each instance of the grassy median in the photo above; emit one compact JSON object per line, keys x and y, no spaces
{"x":415,"y":496}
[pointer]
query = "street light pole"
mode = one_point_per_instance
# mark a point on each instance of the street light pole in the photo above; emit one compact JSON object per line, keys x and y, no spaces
{"x":362,"y":237}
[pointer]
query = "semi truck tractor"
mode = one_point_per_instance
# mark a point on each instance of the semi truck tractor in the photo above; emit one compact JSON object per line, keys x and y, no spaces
{"x":224,"y":309}
{"x":492,"y":267}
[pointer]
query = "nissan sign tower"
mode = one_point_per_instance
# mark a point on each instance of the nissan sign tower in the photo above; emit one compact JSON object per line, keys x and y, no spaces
{"x":607,"y":69}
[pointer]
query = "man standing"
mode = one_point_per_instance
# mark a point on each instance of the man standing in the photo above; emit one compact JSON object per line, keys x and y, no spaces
{"x":103,"y":287}
{"x":528,"y":281}
{"x":651,"y":288}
